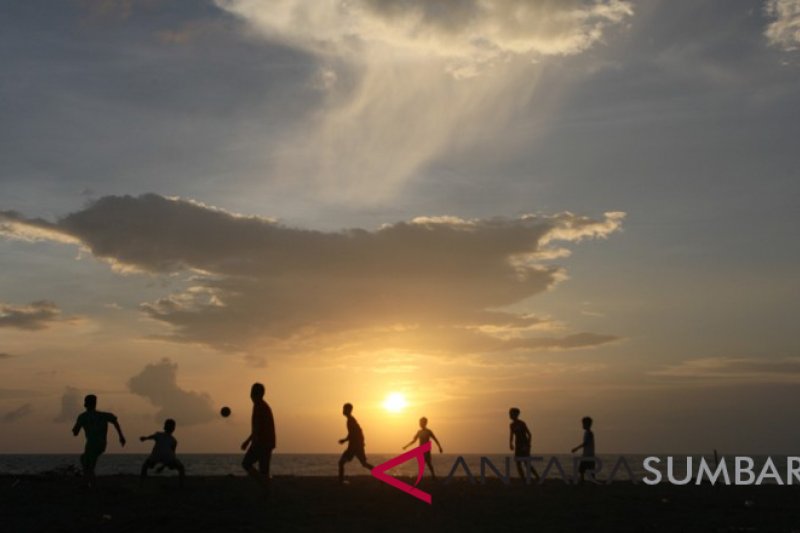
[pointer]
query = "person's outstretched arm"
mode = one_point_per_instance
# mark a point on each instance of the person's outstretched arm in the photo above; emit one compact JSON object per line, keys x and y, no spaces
{"x":347,"y":438}
{"x":416,"y":435}
{"x":437,"y":442}
{"x":149,"y":437}
{"x":119,"y":432}
{"x":576,"y":448}
{"x":77,"y":427}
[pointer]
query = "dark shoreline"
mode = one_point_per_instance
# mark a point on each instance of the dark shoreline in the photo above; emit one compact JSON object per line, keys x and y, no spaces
{"x":233,"y":503}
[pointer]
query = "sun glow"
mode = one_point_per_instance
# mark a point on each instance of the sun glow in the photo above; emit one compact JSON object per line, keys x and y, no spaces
{"x":395,"y":402}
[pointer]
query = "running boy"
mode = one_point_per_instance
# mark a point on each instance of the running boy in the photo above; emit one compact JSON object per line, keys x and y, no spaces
{"x":163,"y":452}
{"x":355,"y":443}
{"x":95,"y":428}
{"x":425,"y":435}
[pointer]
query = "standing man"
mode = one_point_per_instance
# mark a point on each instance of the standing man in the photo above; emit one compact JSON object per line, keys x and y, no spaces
{"x":355,"y":443}
{"x":261,"y":442}
{"x":587,"y":459}
{"x":95,"y":429}
{"x":519,"y":440}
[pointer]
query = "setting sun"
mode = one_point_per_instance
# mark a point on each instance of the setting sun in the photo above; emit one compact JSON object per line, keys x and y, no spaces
{"x":395,"y":402}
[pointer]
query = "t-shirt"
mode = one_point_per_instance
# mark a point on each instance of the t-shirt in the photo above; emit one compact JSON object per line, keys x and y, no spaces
{"x":263,"y":425}
{"x":354,"y":433}
{"x":588,"y":443}
{"x":164,"y":446}
{"x":520,"y":432}
{"x":424,"y":435}
{"x":95,"y":425}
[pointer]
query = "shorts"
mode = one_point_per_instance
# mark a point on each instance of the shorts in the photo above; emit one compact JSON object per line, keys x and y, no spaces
{"x":170,"y":462}
{"x":92,"y":452}
{"x":522,"y":451}
{"x":257,"y":454}
{"x":358,"y":453}
{"x":586,"y":465}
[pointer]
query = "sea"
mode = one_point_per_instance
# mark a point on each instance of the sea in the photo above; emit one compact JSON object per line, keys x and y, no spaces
{"x":326,"y":464}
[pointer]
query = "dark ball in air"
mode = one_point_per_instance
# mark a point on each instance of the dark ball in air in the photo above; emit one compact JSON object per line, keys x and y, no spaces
{"x":225,"y":412}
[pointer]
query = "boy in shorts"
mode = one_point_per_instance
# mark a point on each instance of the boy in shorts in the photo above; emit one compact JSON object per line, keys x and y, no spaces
{"x":425,"y":435}
{"x":519,"y":440}
{"x":355,"y":443}
{"x":587,"y":463}
{"x":261,"y":442}
{"x":163,"y":452}
{"x":95,"y":427}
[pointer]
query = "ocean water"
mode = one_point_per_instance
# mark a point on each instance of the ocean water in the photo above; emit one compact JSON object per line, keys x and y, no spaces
{"x":282,"y":464}
{"x":326,"y":464}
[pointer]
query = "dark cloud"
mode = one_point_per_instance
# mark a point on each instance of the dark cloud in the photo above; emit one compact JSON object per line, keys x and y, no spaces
{"x":158,"y":383}
{"x":752,"y":369}
{"x":259,"y":284}
{"x":71,"y":403}
{"x":34,"y":316}
{"x":20,"y":412}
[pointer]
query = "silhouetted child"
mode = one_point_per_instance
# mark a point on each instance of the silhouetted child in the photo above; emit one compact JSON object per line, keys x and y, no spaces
{"x":261,"y":442}
{"x":163,"y":453}
{"x":587,"y":463}
{"x":519,"y":440}
{"x":355,"y":443}
{"x":95,"y":428}
{"x":425,"y":435}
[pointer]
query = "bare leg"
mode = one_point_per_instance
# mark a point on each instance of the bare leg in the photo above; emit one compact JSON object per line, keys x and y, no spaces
{"x":88,"y":463}
{"x":143,"y":473}
{"x":181,"y":472}
{"x":521,"y":472}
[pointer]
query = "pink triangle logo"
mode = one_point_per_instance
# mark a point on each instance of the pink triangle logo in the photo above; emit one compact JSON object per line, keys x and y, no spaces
{"x":418,"y":453}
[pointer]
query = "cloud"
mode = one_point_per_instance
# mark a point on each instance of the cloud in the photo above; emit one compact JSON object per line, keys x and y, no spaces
{"x":158,"y":383}
{"x":749,"y":369}
{"x":11,"y":394}
{"x":784,"y":30}
{"x":405,"y":81}
{"x":71,"y":405}
{"x":440,"y":282}
{"x":4,"y":355}
{"x":15,"y":225}
{"x":20,"y":412}
{"x":477,"y":31}
{"x":34,"y":316}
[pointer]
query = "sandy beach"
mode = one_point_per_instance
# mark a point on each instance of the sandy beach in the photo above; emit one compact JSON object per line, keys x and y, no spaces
{"x":57,"y":503}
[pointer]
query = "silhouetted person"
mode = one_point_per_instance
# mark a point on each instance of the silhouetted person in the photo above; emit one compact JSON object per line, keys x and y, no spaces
{"x":355,"y":443}
{"x":163,"y":452}
{"x":261,"y":442}
{"x":587,"y":463}
{"x":425,"y":435}
{"x":519,"y":440}
{"x":95,"y":428}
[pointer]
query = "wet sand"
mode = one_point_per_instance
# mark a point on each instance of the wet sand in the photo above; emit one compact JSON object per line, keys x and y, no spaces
{"x":232,"y":504}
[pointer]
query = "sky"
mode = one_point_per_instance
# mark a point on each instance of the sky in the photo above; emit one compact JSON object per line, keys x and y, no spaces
{"x":571,"y":207}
